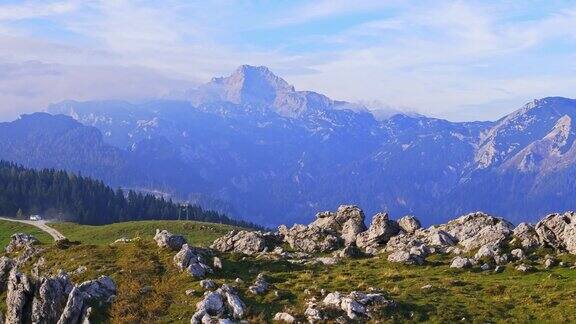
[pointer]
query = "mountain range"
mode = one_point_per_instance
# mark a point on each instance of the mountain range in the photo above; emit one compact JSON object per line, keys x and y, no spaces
{"x":253,"y":146}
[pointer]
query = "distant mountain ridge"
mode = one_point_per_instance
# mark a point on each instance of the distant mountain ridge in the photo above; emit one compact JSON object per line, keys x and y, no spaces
{"x":272,"y":154}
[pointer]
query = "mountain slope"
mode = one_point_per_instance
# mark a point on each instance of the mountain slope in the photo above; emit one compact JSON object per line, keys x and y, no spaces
{"x":66,"y":196}
{"x":256,"y":146}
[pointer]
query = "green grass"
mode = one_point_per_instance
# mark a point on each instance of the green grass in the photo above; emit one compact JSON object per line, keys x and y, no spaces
{"x":197,"y":233}
{"x":8,"y":228}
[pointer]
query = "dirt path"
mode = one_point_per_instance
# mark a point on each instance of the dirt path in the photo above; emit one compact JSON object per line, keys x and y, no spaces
{"x":41,"y":224}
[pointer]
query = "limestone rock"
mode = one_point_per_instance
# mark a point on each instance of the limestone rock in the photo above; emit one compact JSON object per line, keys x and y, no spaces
{"x":312,"y":313}
{"x":487,"y":251}
{"x":260,"y":285}
{"x":246,"y":242}
{"x":558,"y":231}
{"x":235,"y":304}
{"x":284,"y":317}
{"x":518,"y":254}
{"x":327,"y":260}
{"x":6,"y":265}
{"x":406,"y":258}
{"x":380,"y":231}
{"x":353,"y":222}
{"x":101,"y":290}
{"x":356,"y":305}
{"x":491,"y":251}
{"x":527,"y":235}
{"x":409,"y":224}
{"x":50,"y":298}
{"x":222,"y":303}
{"x":192,"y":261}
{"x":350,"y":231}
{"x":462,"y":263}
{"x":311,"y":239}
{"x":422,"y":242}
{"x":328,"y":232}
{"x":165,"y":239}
{"x":349,"y":251}
{"x":476,"y":229}
{"x":524,"y":268}
{"x":549,"y":263}
{"x":19,"y":298}
{"x":19,"y":241}
{"x":217,"y":263}
{"x":208,"y":284}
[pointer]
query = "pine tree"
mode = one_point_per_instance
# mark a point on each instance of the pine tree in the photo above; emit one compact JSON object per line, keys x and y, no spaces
{"x":84,"y":200}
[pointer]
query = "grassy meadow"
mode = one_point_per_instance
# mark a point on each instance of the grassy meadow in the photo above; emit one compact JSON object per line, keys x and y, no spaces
{"x":8,"y":228}
{"x":197,"y":233}
{"x":152,"y":290}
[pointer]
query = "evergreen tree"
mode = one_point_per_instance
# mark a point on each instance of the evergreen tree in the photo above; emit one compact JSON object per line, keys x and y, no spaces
{"x":71,"y":197}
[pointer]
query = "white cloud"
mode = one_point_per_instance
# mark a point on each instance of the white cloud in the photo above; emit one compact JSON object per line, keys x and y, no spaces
{"x":31,"y":86}
{"x":27,"y":10}
{"x":440,"y":57}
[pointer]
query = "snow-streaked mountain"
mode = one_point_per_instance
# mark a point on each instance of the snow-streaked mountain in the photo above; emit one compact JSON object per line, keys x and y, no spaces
{"x":272,"y":154}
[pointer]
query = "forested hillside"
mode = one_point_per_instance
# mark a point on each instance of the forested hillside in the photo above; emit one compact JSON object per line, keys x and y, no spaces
{"x":72,"y":197}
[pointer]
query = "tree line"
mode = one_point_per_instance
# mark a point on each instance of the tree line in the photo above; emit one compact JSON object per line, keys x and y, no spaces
{"x":70,"y":197}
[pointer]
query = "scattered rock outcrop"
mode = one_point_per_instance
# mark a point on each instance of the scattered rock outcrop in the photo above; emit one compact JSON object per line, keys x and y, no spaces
{"x":330,"y":231}
{"x":192,"y":261}
{"x":413,"y":248}
{"x":526,"y":236}
{"x":6,"y":265}
{"x":165,"y":239}
{"x":19,"y":298}
{"x":51,"y":298}
{"x":310,"y":239}
{"x":476,"y":229}
{"x":260,"y":286}
{"x":380,"y":231}
{"x":406,"y":258}
{"x":208,"y":284}
{"x":284,"y":317}
{"x":558,"y":231}
{"x":462,"y":263}
{"x":222,"y":304}
{"x":19,"y":241}
{"x":246,"y":242}
{"x":54,"y":299}
{"x":93,"y":292}
{"x":344,"y":233}
{"x":491,"y":252}
{"x":409,"y":224}
{"x":356,"y":305}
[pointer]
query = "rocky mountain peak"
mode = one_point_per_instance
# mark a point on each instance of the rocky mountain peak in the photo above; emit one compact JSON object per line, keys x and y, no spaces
{"x":532,"y":122}
{"x":253,"y":85}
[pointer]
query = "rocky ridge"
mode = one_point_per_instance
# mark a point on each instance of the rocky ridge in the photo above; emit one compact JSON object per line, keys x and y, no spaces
{"x":479,"y":235}
{"x":475,"y":241}
{"x":49,"y":298}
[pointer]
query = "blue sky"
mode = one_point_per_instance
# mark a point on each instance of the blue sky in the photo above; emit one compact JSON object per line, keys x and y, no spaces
{"x":461,"y":60}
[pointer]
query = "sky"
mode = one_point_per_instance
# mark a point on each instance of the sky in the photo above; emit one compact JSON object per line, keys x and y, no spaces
{"x":459,"y":60}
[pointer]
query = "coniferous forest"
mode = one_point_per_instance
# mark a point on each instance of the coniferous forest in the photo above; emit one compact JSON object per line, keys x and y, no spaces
{"x":70,"y":197}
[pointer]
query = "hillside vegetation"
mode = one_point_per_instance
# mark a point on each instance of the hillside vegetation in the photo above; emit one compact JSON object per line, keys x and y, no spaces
{"x":67,"y":196}
{"x":8,"y":228}
{"x":197,"y":233}
{"x":547,"y":295}
{"x":152,"y":289}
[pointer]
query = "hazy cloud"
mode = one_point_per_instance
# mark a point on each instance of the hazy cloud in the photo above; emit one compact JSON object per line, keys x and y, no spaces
{"x":454,"y":59}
